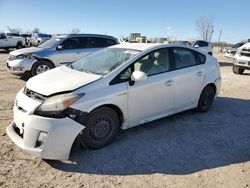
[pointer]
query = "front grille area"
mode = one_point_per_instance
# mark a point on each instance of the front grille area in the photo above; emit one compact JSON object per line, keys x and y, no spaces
{"x":245,"y":54}
{"x":246,"y":49}
{"x":34,"y":95}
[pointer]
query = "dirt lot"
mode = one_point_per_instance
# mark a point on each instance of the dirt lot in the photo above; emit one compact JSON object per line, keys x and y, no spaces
{"x":185,"y":150}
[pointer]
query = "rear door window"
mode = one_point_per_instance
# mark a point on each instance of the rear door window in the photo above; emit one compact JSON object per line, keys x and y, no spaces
{"x":184,"y":58}
{"x":203,"y":44}
{"x":97,"y":42}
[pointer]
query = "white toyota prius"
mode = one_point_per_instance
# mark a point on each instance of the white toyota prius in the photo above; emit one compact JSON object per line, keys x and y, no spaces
{"x":115,"y":88}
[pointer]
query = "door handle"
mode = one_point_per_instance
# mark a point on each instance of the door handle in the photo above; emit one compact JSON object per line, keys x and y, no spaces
{"x":200,"y":73}
{"x":169,"y":83}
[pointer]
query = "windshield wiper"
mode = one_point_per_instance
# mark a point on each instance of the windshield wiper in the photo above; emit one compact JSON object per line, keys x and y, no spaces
{"x":88,"y":71}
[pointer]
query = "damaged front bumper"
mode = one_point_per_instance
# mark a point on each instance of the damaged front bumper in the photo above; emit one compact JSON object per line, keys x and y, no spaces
{"x":47,"y":138}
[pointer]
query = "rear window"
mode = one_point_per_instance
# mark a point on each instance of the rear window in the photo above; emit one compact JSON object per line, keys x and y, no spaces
{"x":184,"y":58}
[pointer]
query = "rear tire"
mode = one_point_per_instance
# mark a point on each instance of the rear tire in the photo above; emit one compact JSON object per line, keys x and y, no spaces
{"x":19,"y":45}
{"x":206,"y":99}
{"x":238,"y":70}
{"x":41,"y":66}
{"x":102,"y":126}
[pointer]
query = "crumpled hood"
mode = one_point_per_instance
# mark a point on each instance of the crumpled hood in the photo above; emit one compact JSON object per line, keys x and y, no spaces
{"x":59,"y":80}
{"x":26,"y":51}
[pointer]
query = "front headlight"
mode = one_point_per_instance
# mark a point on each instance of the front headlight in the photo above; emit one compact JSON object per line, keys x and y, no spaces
{"x":21,"y":56}
{"x":57,"y":104}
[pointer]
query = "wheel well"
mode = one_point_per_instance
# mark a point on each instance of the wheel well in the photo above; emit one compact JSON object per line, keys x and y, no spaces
{"x":47,"y":60}
{"x":213,"y":86}
{"x":19,"y":42}
{"x":116,"y":109}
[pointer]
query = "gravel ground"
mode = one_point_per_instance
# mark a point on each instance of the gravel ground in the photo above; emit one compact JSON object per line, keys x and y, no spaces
{"x":189,"y":149}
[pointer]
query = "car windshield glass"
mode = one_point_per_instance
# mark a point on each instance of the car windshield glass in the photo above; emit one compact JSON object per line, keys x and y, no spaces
{"x":104,"y":61}
{"x":50,"y":43}
{"x":237,"y":45}
{"x":43,"y":35}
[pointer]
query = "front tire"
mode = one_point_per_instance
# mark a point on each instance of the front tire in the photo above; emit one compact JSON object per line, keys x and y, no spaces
{"x":206,"y":99}
{"x":40,"y":67}
{"x":102,"y":126}
{"x":238,"y":70}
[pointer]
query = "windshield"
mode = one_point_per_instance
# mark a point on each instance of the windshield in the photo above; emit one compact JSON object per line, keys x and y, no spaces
{"x":50,"y":43}
{"x":104,"y":61}
{"x":237,"y":45}
{"x":43,"y":35}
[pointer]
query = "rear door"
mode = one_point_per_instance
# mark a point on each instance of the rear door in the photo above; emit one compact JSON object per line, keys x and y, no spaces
{"x":188,"y":76}
{"x":97,"y":43}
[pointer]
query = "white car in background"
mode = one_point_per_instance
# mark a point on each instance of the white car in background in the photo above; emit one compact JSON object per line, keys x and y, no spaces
{"x":204,"y":46}
{"x":230,"y":53}
{"x":241,"y":61}
{"x":39,"y":38}
{"x":115,"y":88}
{"x":200,"y":44}
{"x":11,"y":40}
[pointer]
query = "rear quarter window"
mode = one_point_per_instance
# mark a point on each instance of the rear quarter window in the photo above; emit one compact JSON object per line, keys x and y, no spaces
{"x":201,"y":59}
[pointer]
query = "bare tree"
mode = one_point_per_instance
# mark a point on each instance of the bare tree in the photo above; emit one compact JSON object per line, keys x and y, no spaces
{"x":75,"y":31}
{"x":36,"y":30}
{"x":14,"y":30}
{"x":205,"y":25}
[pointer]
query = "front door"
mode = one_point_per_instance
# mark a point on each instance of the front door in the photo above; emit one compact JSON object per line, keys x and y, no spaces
{"x":4,"y":42}
{"x":154,"y":97}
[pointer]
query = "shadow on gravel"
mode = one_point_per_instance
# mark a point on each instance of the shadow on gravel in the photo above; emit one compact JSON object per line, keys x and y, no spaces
{"x":225,"y":64}
{"x":180,"y":144}
{"x":25,"y":76}
{"x":4,"y":51}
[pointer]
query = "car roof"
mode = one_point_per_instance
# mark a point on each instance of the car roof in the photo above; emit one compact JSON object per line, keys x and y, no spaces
{"x":64,"y":36}
{"x":136,"y":46}
{"x":146,"y":46}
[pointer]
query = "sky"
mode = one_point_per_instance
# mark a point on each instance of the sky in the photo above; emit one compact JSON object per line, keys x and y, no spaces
{"x":152,"y":18}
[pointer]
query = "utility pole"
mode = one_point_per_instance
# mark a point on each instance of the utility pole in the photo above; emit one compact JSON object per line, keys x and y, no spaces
{"x":219,"y":39}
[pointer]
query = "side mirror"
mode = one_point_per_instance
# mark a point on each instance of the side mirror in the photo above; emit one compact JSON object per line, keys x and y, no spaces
{"x":60,"y":47}
{"x":196,"y":46}
{"x":138,"y":76}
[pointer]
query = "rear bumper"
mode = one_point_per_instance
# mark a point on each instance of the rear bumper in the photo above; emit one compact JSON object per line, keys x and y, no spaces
{"x":218,"y":83}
